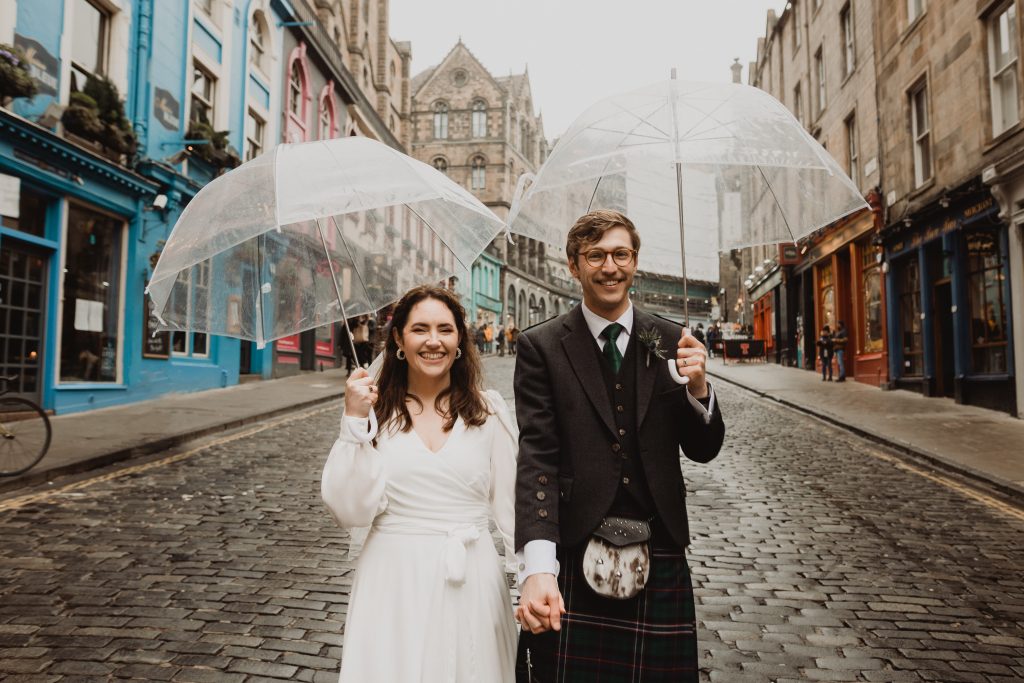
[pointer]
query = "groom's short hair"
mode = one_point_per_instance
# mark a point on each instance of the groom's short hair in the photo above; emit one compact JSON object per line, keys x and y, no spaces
{"x":589,"y":228}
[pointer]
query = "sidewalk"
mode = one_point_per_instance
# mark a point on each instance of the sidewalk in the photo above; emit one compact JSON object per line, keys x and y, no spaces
{"x":981,"y":444}
{"x":82,"y":441}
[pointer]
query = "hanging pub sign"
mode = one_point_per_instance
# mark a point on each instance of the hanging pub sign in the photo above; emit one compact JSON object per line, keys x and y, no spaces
{"x":789,"y":254}
{"x":154,"y":344}
{"x":43,"y":67}
{"x":167,"y":109}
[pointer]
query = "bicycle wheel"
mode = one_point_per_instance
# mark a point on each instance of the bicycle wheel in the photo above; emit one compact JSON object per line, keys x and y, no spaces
{"x":24,"y":435}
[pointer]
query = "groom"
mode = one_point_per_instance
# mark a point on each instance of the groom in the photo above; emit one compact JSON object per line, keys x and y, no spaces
{"x":602,"y":417}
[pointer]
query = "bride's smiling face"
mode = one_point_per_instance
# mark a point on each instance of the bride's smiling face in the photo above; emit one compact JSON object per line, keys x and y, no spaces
{"x":429,"y":339}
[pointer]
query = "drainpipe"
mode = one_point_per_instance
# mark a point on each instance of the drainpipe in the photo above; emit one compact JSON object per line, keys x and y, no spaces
{"x":141,"y":85}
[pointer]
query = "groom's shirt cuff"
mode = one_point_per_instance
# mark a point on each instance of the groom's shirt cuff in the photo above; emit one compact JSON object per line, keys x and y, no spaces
{"x":536,"y":557}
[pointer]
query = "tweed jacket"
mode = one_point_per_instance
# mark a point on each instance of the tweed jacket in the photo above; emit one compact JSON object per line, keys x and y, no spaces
{"x":569,"y":467}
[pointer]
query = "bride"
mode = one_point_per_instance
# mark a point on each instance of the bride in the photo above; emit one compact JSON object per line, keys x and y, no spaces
{"x":429,"y":602}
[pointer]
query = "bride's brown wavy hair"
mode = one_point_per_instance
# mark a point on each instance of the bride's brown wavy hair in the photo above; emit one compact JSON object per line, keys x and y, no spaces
{"x":463,"y":397}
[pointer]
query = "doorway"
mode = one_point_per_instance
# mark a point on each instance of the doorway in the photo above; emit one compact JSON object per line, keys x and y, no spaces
{"x":943,"y":331}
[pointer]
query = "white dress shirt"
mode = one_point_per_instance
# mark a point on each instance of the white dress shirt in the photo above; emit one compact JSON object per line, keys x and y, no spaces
{"x":539,"y":556}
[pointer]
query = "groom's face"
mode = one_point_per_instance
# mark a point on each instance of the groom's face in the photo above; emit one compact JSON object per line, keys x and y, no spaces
{"x":606,"y":287}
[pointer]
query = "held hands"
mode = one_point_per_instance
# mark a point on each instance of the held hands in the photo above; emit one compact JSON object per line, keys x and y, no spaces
{"x":691,"y":359}
{"x":540,"y":604}
{"x":360,"y":393}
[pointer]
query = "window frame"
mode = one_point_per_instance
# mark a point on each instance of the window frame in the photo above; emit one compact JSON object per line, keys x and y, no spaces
{"x":102,"y":48}
{"x":209,"y":101}
{"x":478,"y":173}
{"x":251,"y":140}
{"x":915,"y":8}
{"x":479,"y":119}
{"x":921,"y":141}
{"x":849,"y":40}
{"x":910,"y":311}
{"x":821,"y":100}
{"x":258,"y":48}
{"x":798,"y":107}
{"x":996,"y":73}
{"x":440,"y":163}
{"x":440,"y":120}
{"x":852,"y":148}
{"x":976,"y":274}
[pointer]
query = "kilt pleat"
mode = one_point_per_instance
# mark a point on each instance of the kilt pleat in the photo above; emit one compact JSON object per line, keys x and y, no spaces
{"x":647,"y":639}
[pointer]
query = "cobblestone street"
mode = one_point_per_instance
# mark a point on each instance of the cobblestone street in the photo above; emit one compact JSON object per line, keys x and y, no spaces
{"x":817,"y":556}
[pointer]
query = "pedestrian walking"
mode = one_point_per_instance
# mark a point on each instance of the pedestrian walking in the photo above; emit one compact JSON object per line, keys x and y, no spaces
{"x":839,"y":340}
{"x":345,"y":349}
{"x":426,"y":458}
{"x":361,"y":338}
{"x":825,"y":350}
{"x":488,"y":339}
{"x":605,"y":585}
{"x":698,"y":333}
{"x":513,"y":340}
{"x":499,"y":338}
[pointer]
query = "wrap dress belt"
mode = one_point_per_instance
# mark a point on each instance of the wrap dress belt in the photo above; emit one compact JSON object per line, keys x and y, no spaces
{"x":458,"y":537}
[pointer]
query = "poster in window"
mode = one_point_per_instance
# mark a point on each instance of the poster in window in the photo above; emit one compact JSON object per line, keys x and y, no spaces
{"x":289,"y":344}
{"x":154,"y":344}
{"x":234,"y":325}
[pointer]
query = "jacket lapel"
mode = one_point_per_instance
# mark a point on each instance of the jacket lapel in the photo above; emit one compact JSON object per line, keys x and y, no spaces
{"x":646,"y":374}
{"x":579,"y":347}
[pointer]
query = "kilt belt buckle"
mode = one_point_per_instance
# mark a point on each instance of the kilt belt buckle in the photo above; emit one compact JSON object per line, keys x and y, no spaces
{"x":617,"y":560}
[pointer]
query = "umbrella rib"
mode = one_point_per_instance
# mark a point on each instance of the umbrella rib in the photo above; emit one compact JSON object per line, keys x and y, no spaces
{"x":707,"y":115}
{"x":355,"y":269}
{"x":776,"y":199}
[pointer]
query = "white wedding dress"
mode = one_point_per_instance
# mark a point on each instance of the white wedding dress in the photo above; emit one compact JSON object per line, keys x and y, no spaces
{"x":429,"y":603}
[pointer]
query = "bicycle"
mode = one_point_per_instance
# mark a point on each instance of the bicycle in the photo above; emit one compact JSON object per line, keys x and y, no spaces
{"x":25,"y":432}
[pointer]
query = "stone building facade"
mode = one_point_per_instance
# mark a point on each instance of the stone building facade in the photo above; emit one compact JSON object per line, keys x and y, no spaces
{"x":835,"y":274}
{"x":482,"y":131}
{"x":950,"y":125}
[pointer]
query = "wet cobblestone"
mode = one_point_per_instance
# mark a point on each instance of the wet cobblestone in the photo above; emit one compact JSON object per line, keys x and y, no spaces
{"x":815,"y":557}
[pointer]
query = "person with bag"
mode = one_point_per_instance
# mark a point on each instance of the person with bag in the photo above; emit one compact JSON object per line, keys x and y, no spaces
{"x":606,"y":395}
{"x":839,"y":340}
{"x":426,"y":458}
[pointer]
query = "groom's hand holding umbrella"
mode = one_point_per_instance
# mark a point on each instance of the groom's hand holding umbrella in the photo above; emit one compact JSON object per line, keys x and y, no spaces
{"x":691,"y":362}
{"x":360,"y":394}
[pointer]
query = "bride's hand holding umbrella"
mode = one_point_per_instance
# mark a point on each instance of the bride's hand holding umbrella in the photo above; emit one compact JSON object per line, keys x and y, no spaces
{"x":360,"y":394}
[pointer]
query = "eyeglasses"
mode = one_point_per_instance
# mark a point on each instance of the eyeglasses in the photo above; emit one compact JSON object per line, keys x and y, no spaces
{"x":621,"y":256}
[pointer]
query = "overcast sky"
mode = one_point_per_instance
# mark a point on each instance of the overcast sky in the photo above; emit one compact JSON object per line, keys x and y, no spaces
{"x":579,"y":51}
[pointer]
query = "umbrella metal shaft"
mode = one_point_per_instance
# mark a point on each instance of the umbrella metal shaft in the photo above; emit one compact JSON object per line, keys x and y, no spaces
{"x":337,"y":291}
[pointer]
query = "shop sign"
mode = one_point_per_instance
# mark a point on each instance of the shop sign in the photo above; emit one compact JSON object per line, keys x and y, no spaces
{"x":289,"y":344}
{"x":942,"y":226}
{"x":167,"y":109}
{"x":42,"y":66}
{"x":789,"y":254}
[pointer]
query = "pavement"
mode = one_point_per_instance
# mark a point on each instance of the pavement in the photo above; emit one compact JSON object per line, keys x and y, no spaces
{"x":87,"y":440}
{"x":982,"y":445}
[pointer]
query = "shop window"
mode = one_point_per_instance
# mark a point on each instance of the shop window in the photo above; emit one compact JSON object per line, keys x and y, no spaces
{"x":986,"y":273}
{"x":1002,"y":55}
{"x":92,"y":298}
{"x":90,"y":37}
{"x":910,"y":319}
{"x":31,"y":210}
{"x":190,"y":301}
{"x":827,"y":297}
{"x":871,"y":297}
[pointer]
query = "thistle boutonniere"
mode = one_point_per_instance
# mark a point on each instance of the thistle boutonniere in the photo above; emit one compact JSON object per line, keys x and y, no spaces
{"x":651,"y":338}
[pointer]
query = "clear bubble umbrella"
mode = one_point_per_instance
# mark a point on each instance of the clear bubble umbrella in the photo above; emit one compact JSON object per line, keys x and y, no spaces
{"x":313,"y":233}
{"x":698,"y":167}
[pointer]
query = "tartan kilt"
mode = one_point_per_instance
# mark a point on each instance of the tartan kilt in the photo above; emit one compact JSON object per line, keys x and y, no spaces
{"x":651,"y":638}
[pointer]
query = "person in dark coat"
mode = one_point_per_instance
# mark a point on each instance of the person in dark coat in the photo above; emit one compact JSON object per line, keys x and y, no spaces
{"x":606,"y":395}
{"x":825,"y":352}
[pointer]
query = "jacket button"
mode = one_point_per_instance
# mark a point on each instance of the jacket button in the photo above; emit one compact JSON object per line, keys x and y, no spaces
{"x":542,"y":479}
{"x":541,"y":495}
{"x":542,"y":513}
{"x":622,"y":432}
{"x":619,"y":409}
{"x":625,"y":480}
{"x":616,"y":447}
{"x":618,"y":387}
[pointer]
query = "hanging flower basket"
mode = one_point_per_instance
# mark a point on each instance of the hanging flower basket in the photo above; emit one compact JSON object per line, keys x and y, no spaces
{"x":15,"y":80}
{"x":216,"y":152}
{"x":97,"y":114}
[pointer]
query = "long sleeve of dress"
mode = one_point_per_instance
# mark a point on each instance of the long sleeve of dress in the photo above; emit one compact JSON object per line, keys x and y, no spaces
{"x":504,"y":451}
{"x":352,"y":485}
